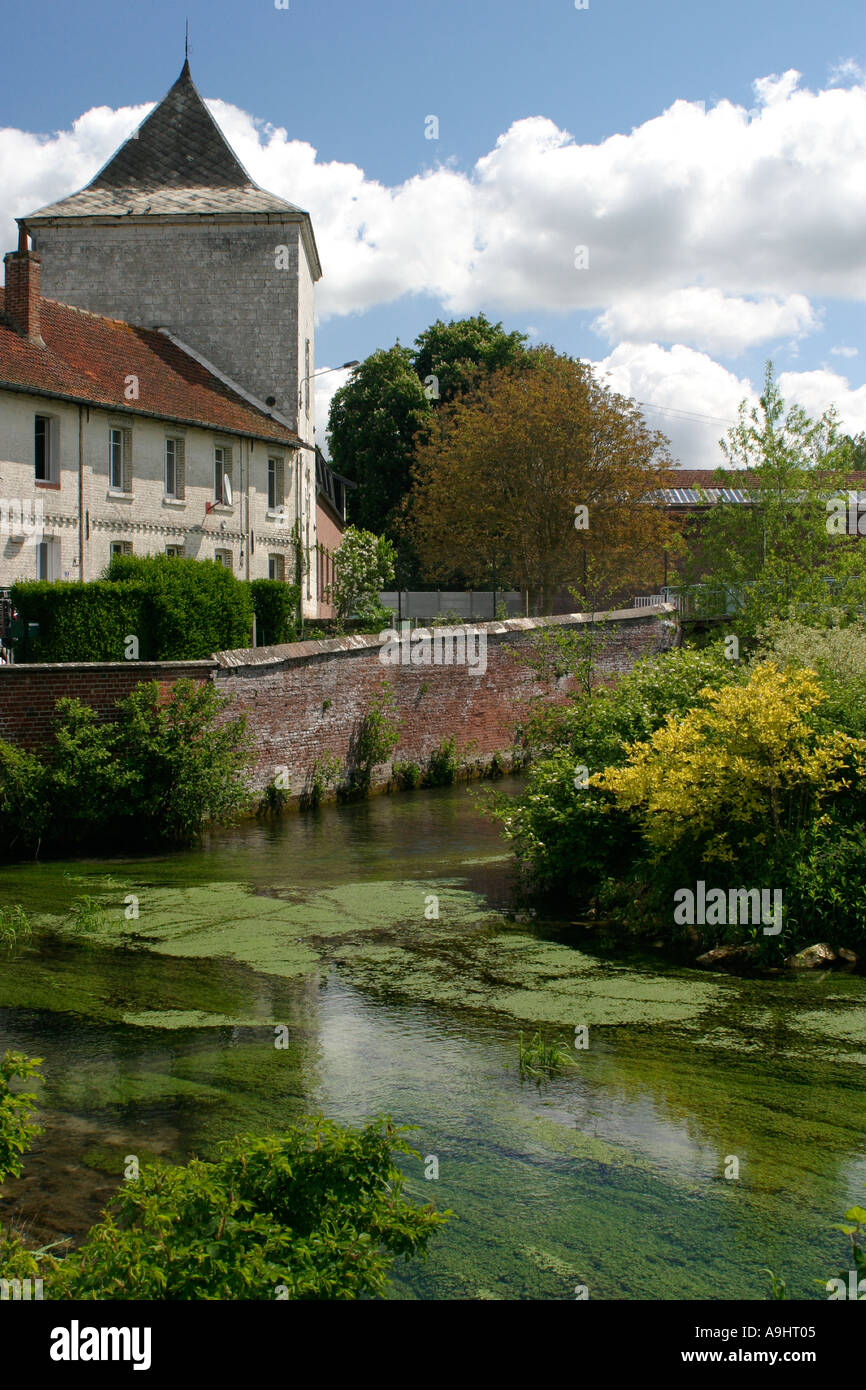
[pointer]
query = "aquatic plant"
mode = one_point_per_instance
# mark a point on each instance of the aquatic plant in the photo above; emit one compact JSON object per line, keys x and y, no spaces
{"x":540,"y":1059}
{"x":88,"y":915}
{"x":15,"y":928}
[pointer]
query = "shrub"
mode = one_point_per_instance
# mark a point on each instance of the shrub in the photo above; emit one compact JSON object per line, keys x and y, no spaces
{"x":407,"y":775}
{"x":315,"y":1213}
{"x":274,"y":800}
{"x":276,"y":608}
{"x":375,"y":738}
{"x":90,"y":786}
{"x":195,"y":607}
{"x":326,"y":772}
{"x":496,"y":766}
{"x":185,"y":764}
{"x":24,"y":802}
{"x":160,"y":773}
{"x":567,"y":838}
{"x":82,"y":622}
{"x":363,"y":566}
{"x":442,"y":765}
{"x":741,"y":770}
{"x":17,"y":1131}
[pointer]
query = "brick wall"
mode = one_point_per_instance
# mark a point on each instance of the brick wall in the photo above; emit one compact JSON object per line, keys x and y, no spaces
{"x":307,"y":698}
{"x":28,"y":694}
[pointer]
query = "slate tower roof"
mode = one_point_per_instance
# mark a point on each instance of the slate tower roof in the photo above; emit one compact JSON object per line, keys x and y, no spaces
{"x":177,"y":161}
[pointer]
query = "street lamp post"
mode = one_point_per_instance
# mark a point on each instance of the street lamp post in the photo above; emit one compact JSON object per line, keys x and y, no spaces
{"x":324,"y":371}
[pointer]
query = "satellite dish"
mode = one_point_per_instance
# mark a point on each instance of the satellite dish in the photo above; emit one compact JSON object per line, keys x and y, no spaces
{"x":227,"y":490}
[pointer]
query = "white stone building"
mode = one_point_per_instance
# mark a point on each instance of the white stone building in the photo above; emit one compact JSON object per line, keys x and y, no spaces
{"x":192,"y":364}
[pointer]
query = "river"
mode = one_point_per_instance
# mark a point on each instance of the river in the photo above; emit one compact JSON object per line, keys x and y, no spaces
{"x":159,"y":1032}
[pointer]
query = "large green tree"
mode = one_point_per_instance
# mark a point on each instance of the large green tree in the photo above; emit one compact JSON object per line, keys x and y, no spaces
{"x":374,"y":421}
{"x":451,"y":358}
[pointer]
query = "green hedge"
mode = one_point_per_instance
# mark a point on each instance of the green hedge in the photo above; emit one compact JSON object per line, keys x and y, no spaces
{"x":79,"y":622}
{"x":276,"y":607}
{"x":179,"y":609}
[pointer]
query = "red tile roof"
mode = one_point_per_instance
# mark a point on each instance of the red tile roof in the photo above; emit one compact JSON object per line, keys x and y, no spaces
{"x":731,"y":477}
{"x":87,"y":358}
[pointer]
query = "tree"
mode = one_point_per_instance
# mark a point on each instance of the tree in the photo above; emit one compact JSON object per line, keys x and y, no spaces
{"x":777,"y":556}
{"x":460,"y":353}
{"x":539,"y":477}
{"x":363,"y":565}
{"x":374,"y":421}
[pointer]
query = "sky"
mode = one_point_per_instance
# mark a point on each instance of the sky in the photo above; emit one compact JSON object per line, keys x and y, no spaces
{"x":673,"y":191}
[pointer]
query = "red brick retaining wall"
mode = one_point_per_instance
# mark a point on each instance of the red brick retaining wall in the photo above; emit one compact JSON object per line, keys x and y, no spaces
{"x":308,"y":698}
{"x":28,"y":694}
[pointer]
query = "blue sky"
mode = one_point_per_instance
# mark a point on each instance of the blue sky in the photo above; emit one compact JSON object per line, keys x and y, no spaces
{"x":688,"y":238}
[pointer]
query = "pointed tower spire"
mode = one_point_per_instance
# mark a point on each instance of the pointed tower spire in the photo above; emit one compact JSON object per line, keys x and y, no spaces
{"x":178,"y":162}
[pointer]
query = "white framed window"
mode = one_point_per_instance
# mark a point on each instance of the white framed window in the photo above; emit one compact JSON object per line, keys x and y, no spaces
{"x":276,"y":483}
{"x":120,"y":548}
{"x":120,"y":459}
{"x":175,"y":551}
{"x":48,"y":559}
{"x":175,"y":480}
{"x":46,"y":451}
{"x":225,"y":558}
{"x":222,"y":469}
{"x":277,"y":567}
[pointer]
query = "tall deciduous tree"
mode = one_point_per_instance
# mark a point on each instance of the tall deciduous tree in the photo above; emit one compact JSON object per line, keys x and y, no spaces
{"x":451,"y":358}
{"x":374,"y":422}
{"x":538,"y":478}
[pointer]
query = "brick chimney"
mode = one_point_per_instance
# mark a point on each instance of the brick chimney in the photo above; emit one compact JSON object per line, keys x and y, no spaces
{"x":23,"y":302}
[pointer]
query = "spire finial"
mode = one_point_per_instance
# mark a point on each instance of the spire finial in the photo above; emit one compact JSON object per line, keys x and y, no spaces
{"x":186,"y":43}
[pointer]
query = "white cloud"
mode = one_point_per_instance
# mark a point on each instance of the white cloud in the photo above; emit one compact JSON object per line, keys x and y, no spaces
{"x":707,"y":318}
{"x":844,"y":351}
{"x":711,"y":228}
{"x":687,"y":385}
{"x":816,"y":390}
{"x":849,"y":70}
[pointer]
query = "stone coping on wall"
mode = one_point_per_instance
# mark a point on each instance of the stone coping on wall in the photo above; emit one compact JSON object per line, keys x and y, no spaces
{"x":291,"y":652}
{"x":28,"y":667}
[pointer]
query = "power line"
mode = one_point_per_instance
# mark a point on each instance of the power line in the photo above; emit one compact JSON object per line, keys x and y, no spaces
{"x":687,"y":414}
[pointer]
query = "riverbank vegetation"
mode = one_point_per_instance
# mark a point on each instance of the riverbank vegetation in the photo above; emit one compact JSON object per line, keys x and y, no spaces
{"x":158,"y":773}
{"x":318,"y":1212}
{"x":741,"y":774}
